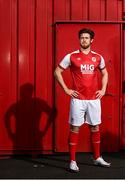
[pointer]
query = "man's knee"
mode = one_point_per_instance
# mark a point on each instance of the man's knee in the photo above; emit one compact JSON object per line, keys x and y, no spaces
{"x":74,"y":128}
{"x":94,"y":128}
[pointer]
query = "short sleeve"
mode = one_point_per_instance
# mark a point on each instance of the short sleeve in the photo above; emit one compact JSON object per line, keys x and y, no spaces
{"x":65,"y":63}
{"x":102,"y":63}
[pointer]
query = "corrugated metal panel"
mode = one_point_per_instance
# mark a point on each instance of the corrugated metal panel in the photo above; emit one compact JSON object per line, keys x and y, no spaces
{"x":27,"y":52}
{"x":88,"y":10}
{"x":79,"y":10}
{"x":44,"y":57}
{"x":61,"y":10}
{"x":26,"y":63}
{"x":7,"y":65}
{"x":112,"y":10}
{"x":95,"y":10}
{"x":123,"y":88}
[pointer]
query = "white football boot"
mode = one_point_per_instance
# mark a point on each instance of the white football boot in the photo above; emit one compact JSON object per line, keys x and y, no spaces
{"x":73,"y":166}
{"x":100,"y":162}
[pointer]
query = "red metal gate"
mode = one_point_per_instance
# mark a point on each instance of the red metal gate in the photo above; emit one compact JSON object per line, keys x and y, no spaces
{"x":108,"y":43}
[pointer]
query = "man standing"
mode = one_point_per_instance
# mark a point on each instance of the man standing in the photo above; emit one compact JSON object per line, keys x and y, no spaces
{"x":85,"y":96}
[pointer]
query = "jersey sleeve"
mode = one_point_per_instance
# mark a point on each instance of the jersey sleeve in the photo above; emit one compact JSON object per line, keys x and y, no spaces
{"x":102,"y":63}
{"x":65,"y":63}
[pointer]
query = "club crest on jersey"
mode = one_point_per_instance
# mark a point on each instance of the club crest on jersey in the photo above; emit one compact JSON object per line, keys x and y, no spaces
{"x":87,"y":68}
{"x":78,"y":58}
{"x":93,"y":59}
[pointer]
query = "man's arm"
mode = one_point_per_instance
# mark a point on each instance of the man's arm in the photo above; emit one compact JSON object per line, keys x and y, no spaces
{"x":59,"y":78}
{"x":101,"y":93}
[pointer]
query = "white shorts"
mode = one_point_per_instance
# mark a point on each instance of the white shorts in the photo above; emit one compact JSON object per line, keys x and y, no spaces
{"x":85,"y":111}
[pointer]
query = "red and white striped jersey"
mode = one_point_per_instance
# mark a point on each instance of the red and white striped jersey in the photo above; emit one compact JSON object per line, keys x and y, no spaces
{"x":83,"y":69}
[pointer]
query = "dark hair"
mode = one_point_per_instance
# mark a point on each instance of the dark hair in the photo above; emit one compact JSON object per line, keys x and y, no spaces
{"x":85,"y":30}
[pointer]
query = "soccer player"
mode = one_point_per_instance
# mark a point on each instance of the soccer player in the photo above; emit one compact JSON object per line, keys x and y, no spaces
{"x":85,"y":96}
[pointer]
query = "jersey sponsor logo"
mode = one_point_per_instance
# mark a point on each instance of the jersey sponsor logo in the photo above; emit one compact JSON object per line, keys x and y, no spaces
{"x":87,"y":68}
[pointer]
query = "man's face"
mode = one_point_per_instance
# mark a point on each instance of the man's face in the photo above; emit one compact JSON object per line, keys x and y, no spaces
{"x":85,"y":40}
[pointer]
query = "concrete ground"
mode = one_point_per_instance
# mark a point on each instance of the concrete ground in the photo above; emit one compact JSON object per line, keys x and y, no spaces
{"x":56,"y":167}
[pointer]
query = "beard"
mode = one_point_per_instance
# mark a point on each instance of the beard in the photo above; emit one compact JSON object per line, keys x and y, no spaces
{"x":85,"y":46}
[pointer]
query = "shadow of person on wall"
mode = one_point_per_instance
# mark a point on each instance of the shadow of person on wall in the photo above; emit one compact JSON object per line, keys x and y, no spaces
{"x":27,"y":121}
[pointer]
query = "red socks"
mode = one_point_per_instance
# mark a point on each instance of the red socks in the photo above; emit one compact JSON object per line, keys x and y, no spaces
{"x":95,"y":137}
{"x":73,"y":140}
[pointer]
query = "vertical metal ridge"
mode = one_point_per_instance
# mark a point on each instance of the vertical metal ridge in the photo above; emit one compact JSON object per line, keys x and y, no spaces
{"x":117,"y":11}
{"x":88,"y":13}
{"x":47,"y":59}
{"x":123,"y":13}
{"x":121,"y":85}
{"x":70,"y":9}
{"x":53,"y":79}
{"x":17,"y":45}
{"x":53,"y":12}
{"x":82,"y":9}
{"x":28,"y":34}
{"x":35,"y":39}
{"x":105,"y":10}
{"x":11,"y":37}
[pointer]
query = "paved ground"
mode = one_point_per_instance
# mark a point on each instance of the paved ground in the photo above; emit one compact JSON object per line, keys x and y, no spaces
{"x":55,"y":167}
